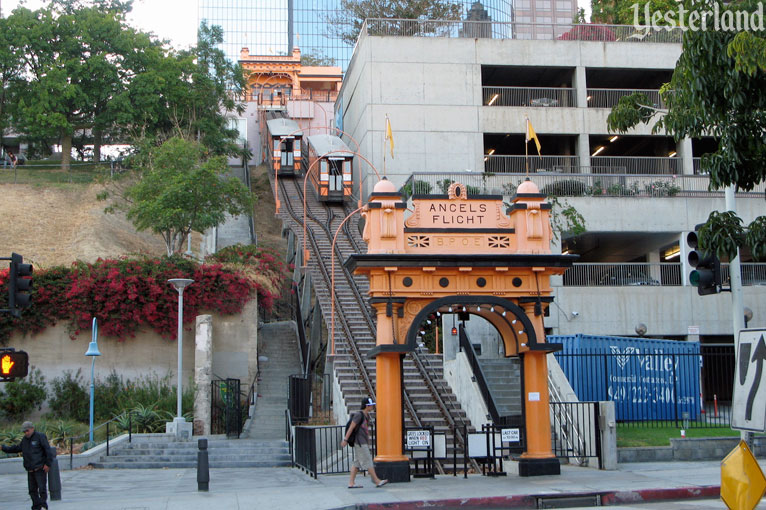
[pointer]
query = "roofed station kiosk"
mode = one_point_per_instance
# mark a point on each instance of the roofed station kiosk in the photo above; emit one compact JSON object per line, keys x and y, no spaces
{"x":460,"y":250}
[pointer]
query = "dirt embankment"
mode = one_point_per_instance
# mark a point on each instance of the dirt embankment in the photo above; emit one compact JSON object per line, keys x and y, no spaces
{"x":52,"y":226}
{"x":56,"y":225}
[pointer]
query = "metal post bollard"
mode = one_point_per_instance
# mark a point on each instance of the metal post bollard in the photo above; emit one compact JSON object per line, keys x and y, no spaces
{"x":54,"y":477}
{"x":203,"y":467}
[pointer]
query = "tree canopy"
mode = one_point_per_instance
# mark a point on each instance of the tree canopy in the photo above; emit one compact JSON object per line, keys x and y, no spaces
{"x":75,"y":67}
{"x":623,"y":12}
{"x":182,"y":189}
{"x":717,"y":90}
{"x":348,"y":23}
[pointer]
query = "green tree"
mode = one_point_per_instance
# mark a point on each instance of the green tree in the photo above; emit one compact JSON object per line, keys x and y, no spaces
{"x":181,"y":190}
{"x":190,"y":94}
{"x":716,"y":90}
{"x":317,"y":58}
{"x":10,"y":73}
{"x":75,"y":57}
{"x":627,"y":12}
{"x":348,"y":22}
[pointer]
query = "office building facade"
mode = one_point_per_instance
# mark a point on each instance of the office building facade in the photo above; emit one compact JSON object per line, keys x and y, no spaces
{"x":275,"y":27}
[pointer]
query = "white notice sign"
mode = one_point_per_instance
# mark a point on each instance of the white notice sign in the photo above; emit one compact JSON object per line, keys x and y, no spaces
{"x":748,"y":409}
{"x":510,"y":435}
{"x":418,"y":439}
{"x":534,"y":396}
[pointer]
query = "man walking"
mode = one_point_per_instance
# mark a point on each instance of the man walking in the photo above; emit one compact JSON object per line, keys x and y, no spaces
{"x":37,"y":461}
{"x":362,"y":455}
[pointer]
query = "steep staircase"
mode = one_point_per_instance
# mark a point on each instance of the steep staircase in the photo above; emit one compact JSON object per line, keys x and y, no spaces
{"x":278,"y":359}
{"x":503,"y":378}
{"x":262,"y":444}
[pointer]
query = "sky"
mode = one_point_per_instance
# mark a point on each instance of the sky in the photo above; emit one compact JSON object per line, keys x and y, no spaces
{"x":169,"y":19}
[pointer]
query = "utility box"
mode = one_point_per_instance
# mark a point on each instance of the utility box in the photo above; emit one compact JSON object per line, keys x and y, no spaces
{"x":647,"y":379}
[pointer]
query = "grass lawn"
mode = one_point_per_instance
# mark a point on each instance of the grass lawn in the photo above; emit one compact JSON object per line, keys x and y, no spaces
{"x":51,"y":174}
{"x":660,"y":435}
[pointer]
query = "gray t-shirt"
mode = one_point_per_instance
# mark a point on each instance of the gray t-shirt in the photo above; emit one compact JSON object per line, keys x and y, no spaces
{"x":363,"y":435}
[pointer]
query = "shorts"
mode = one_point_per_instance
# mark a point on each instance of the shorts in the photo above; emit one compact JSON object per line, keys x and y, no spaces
{"x":362,"y":457}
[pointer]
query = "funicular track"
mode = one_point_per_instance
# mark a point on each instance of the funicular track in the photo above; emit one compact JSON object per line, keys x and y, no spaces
{"x":427,"y":399}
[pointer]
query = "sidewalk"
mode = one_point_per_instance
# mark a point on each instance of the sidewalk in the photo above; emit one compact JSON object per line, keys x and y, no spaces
{"x":286,"y":488}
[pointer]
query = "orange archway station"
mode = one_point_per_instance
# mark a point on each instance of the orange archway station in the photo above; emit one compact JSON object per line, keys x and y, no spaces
{"x":460,"y":250}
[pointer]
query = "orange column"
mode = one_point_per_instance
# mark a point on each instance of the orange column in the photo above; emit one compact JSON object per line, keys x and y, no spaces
{"x":536,"y":403}
{"x":388,"y":392}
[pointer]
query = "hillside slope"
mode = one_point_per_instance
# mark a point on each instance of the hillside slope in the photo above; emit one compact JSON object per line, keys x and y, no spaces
{"x":55,"y":225}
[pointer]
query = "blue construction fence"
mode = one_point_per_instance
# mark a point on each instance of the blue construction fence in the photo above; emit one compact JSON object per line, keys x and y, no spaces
{"x":647,"y":379}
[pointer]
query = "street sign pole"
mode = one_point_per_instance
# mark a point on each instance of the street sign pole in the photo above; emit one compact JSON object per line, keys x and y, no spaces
{"x":748,"y":413}
{"x":737,"y":300}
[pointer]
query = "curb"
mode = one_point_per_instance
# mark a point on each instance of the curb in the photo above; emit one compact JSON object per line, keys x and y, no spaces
{"x":608,"y":498}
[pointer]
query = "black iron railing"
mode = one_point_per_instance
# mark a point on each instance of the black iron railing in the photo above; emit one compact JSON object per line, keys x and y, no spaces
{"x":575,"y":430}
{"x":226,"y":408}
{"x":657,"y":389}
{"x":318,"y":450}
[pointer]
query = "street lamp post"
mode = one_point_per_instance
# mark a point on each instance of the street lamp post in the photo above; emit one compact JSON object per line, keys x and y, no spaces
{"x":180,"y":284}
{"x":93,"y":352}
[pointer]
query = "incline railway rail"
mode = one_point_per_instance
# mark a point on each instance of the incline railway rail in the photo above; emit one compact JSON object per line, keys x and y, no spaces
{"x":427,"y":399}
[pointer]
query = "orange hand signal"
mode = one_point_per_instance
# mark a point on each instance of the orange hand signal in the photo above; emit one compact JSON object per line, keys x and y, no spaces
{"x":6,"y":364}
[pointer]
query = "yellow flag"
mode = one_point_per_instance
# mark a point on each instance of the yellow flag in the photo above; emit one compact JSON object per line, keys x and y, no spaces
{"x":531,"y":135}
{"x":390,"y":136}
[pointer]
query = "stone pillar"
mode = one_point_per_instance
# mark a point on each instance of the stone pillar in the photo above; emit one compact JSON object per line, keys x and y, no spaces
{"x":538,"y":459}
{"x":583,"y":152}
{"x":203,"y":372}
{"x":685,"y":154}
{"x":580,"y":87}
{"x":655,"y":272}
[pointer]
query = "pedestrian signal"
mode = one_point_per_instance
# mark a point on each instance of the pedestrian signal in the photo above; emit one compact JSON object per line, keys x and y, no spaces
{"x":13,"y":364}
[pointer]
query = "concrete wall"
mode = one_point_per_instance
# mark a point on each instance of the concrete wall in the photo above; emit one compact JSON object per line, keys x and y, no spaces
{"x":664,"y":310}
{"x":234,"y":350}
{"x":458,"y":375}
{"x":431,"y":90}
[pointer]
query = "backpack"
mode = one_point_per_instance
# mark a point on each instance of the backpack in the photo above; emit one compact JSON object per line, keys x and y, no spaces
{"x":352,"y":437}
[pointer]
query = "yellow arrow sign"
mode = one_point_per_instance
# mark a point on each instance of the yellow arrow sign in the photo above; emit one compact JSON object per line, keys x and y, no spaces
{"x":742,"y":481}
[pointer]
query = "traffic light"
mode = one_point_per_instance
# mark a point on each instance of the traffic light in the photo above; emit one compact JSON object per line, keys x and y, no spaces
{"x":13,"y":364}
{"x":19,"y":285}
{"x":706,"y":275}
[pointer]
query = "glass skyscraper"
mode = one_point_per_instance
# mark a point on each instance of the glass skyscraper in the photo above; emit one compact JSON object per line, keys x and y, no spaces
{"x":274,"y":27}
{"x":259,"y":25}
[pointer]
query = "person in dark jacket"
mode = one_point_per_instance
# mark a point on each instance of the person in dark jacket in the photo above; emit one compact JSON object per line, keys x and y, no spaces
{"x":35,"y":449}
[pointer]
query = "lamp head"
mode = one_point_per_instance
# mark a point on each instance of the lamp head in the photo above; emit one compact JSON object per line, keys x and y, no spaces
{"x":93,"y":349}
{"x":180,"y":283}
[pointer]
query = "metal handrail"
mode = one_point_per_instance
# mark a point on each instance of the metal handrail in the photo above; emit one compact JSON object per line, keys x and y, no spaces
{"x":571,"y":184}
{"x":623,"y":274}
{"x":529,"y":96}
{"x":323,"y":270}
{"x":481,"y":380}
{"x":516,"y":30}
{"x":579,"y":449}
{"x":607,"y":98}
